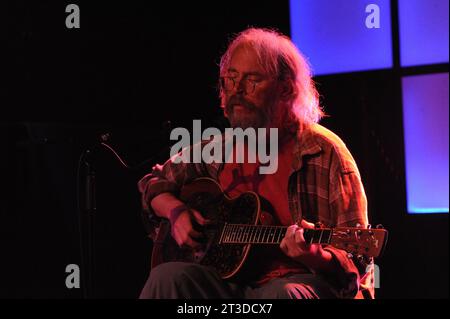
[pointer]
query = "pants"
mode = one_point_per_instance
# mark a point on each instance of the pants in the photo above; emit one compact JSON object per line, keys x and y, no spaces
{"x":179,"y":280}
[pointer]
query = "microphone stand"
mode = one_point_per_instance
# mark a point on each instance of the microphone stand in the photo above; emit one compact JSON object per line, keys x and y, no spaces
{"x":88,"y":213}
{"x":90,"y":209}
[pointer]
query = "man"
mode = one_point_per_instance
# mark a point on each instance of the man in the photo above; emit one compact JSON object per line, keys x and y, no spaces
{"x":266,"y":83}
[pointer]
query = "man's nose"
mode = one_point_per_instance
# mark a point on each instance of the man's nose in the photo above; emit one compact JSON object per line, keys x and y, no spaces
{"x":239,"y":87}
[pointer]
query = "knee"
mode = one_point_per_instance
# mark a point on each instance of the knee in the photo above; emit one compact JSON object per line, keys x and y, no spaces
{"x":281,"y":289}
{"x":173,"y":272}
{"x":298,"y":291}
{"x":174,"y":280}
{"x":165,"y":279}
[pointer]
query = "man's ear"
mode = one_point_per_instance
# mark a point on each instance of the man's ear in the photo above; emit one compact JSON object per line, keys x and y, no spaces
{"x":224,"y":110}
{"x":286,"y":90}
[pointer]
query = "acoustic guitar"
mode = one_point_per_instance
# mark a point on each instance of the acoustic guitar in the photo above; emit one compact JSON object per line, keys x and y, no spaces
{"x":234,"y":228}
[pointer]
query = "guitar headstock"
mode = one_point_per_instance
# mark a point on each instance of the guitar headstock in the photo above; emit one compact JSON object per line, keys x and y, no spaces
{"x":369,"y":242}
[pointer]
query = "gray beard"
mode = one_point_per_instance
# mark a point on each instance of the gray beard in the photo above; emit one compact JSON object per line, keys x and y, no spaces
{"x":244,"y":122}
{"x":256,"y":119}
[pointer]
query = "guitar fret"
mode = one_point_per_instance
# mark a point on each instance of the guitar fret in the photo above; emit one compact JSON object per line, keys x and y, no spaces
{"x":252,"y":236}
{"x":262,"y":231}
{"x":237,"y":235}
{"x":264,"y":235}
{"x":261,"y":237}
{"x":259,"y":231}
{"x":255,"y":233}
{"x":230,"y":232}
{"x":227,"y":233}
{"x":329,"y":235}
{"x":224,"y":234}
{"x":264,"y":239}
{"x":279,"y":234}
{"x":234,"y":233}
{"x":223,"y":237}
{"x":273,"y":234}
{"x":245,"y":234}
{"x":252,"y":229}
{"x":240,"y":234}
{"x":277,"y":231}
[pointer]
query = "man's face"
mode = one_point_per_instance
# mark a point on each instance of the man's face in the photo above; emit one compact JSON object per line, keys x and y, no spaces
{"x":252,"y":100}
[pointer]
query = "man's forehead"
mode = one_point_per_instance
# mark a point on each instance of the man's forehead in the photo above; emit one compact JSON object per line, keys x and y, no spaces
{"x":246,"y":72}
{"x":245,"y":60}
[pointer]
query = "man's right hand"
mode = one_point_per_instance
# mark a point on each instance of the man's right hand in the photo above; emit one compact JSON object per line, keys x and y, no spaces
{"x":184,"y":222}
{"x":183,"y":230}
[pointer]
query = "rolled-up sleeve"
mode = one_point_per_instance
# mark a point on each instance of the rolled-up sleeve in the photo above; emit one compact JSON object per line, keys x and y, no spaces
{"x":166,"y":178}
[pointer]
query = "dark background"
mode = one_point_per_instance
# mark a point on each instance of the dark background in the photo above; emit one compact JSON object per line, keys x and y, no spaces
{"x":130,"y":68}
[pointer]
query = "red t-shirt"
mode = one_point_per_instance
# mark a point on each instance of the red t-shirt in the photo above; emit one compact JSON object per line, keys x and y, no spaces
{"x":236,"y":178}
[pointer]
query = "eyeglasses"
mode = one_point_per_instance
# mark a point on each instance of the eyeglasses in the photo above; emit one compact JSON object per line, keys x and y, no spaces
{"x":228,"y":83}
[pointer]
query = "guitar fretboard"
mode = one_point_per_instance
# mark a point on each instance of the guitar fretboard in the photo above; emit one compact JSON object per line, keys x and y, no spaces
{"x":262,"y":234}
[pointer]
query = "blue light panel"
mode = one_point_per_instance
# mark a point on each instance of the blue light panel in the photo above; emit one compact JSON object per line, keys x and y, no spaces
{"x":423,"y":31}
{"x":335,"y":37}
{"x":425,"y":121}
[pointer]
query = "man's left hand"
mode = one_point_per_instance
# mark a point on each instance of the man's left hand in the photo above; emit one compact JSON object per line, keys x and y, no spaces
{"x":312,"y":256}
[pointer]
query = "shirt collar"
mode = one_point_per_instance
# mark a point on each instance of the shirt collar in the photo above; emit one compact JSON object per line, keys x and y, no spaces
{"x":305,"y":144}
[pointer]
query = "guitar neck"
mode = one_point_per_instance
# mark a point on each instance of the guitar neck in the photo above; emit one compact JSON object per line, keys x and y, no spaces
{"x":262,"y":234}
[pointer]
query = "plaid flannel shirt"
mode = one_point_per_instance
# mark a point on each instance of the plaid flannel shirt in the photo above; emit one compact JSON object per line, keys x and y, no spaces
{"x":325,"y":187}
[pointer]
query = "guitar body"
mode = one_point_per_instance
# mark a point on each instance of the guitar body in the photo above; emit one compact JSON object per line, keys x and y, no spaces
{"x":206,"y":196}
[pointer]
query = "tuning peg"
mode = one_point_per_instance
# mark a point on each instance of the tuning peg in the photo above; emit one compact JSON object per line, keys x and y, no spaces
{"x":358,"y":225}
{"x":369,"y":226}
{"x":319,"y":225}
{"x":379,"y":226}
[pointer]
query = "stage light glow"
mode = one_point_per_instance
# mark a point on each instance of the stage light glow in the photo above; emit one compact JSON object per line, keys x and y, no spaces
{"x":335,"y":37}
{"x":423,"y":27}
{"x":425,"y":123}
